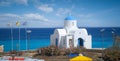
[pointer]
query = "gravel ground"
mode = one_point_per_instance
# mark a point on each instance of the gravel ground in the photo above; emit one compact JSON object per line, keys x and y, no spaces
{"x":54,"y":58}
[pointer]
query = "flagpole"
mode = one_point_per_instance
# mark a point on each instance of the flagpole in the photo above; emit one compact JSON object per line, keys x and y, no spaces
{"x":26,"y":38}
{"x":18,"y":24}
{"x":19,"y":38}
{"x":11,"y":36}
{"x":102,"y":35}
{"x":24,"y":24}
{"x":28,"y":32}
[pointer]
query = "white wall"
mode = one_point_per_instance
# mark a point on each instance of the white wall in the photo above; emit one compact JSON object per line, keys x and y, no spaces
{"x":58,"y":33}
{"x":81,"y":33}
{"x":71,"y":31}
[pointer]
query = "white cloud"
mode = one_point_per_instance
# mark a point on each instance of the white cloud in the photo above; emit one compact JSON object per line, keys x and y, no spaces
{"x":35,"y":16}
{"x":33,"y":19}
{"x":3,"y":3}
{"x":9,"y":2}
{"x":9,"y":17}
{"x":45,"y":8}
{"x":62,"y":11}
{"x":30,"y":16}
{"x":25,"y":2}
{"x":85,"y":15}
{"x":95,"y":14}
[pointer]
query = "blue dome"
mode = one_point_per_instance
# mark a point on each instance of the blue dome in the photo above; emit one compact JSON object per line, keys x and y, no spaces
{"x":69,"y":18}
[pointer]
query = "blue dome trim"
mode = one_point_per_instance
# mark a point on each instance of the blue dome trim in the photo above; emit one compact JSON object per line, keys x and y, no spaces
{"x":69,"y":18}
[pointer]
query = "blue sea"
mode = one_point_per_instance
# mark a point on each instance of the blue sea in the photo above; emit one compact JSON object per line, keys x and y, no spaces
{"x":40,"y":37}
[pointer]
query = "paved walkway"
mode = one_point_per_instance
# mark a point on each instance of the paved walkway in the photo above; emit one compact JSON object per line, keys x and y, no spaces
{"x":6,"y":58}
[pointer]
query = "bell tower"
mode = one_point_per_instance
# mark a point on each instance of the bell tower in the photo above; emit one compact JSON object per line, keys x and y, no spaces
{"x":70,"y":23}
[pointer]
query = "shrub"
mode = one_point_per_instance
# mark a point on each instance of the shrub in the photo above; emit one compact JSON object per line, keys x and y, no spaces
{"x":112,"y":54}
{"x":55,"y":51}
{"x":49,"y":51}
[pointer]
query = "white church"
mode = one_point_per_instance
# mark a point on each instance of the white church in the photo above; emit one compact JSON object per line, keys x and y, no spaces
{"x":71,"y":35}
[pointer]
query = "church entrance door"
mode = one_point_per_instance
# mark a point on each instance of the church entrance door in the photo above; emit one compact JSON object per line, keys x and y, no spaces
{"x":70,"y":42}
{"x":80,"y":42}
{"x":56,"y":42}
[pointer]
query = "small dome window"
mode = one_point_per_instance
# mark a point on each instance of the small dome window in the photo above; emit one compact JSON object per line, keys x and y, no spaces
{"x":72,"y":23}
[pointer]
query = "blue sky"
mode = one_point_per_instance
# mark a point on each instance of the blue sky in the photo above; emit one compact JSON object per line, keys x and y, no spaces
{"x":51,"y":13}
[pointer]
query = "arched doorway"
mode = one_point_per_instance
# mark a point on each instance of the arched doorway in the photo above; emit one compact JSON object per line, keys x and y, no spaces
{"x":70,"y":42}
{"x":80,"y":42}
{"x":56,"y":42}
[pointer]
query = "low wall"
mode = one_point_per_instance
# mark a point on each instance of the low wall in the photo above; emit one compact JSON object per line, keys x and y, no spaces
{"x":1,"y":48}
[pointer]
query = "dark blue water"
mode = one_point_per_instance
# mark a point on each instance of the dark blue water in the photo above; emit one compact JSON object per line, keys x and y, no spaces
{"x":40,"y":37}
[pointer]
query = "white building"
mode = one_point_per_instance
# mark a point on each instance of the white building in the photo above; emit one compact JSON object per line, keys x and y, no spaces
{"x":71,"y":35}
